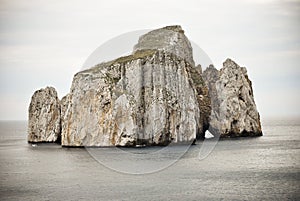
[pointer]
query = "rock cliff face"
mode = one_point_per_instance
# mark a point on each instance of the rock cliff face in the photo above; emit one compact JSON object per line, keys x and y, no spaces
{"x":152,"y":97}
{"x":44,"y":116}
{"x":145,"y":98}
{"x":234,"y":111}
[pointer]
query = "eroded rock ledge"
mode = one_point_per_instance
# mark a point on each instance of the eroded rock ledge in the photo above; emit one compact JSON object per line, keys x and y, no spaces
{"x":156,"y":96}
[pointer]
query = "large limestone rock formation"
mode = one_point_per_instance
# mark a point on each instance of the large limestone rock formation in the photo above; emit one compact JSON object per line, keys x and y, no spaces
{"x":146,"y":98}
{"x":150,"y":97}
{"x":44,"y":116}
{"x":234,"y":111}
{"x":156,"y":96}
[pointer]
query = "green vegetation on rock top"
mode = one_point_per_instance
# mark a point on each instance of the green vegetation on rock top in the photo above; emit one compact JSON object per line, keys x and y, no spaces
{"x":176,"y":28}
{"x":140,"y":54}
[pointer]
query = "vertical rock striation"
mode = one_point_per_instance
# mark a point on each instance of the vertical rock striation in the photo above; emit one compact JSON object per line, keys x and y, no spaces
{"x":234,"y":111}
{"x":44,"y":116}
{"x":145,"y":98}
{"x":151,"y":97}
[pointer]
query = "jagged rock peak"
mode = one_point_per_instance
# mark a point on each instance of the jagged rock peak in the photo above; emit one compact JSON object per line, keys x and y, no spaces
{"x":211,"y":66}
{"x":170,"y":39}
{"x":44,"y":116}
{"x":229,"y":63}
{"x":199,"y":69}
{"x":234,"y":112}
{"x":210,"y":74}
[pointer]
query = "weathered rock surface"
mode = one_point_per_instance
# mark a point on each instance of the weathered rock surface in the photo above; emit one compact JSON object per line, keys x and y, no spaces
{"x":169,"y":39}
{"x":202,"y":95}
{"x":65,"y":107}
{"x":211,"y":75}
{"x":44,"y":116}
{"x":234,"y":111}
{"x":156,"y":96}
{"x":146,"y":98}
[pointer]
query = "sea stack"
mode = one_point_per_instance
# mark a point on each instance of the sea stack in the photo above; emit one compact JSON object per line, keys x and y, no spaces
{"x":147,"y":98}
{"x":234,"y":113}
{"x":44,"y":116}
{"x":154,"y":96}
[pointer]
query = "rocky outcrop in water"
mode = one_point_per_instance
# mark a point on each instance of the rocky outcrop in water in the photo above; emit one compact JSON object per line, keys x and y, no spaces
{"x":145,"y":98}
{"x":44,"y":116}
{"x":155,"y":96}
{"x":234,"y":112}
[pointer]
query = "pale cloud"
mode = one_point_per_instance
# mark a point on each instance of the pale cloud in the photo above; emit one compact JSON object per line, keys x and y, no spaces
{"x":46,"y":42}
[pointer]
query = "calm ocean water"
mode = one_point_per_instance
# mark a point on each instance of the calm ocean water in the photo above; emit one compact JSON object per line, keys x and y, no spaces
{"x":263,"y":168}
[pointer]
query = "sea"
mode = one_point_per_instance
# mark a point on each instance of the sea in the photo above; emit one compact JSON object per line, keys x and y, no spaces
{"x":260,"y":168}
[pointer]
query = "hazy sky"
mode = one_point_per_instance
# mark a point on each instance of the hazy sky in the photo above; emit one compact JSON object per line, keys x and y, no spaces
{"x":46,"y":42}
